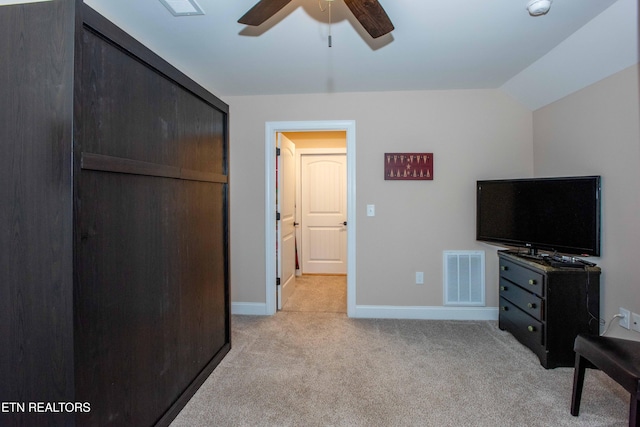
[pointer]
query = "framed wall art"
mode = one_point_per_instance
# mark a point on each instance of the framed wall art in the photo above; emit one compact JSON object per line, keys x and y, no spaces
{"x":408,"y":166}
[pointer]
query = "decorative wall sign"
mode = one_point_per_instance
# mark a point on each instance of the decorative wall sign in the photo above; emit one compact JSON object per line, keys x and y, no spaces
{"x":408,"y":166}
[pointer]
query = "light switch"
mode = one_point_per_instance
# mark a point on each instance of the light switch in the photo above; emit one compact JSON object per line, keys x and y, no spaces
{"x":371,"y":210}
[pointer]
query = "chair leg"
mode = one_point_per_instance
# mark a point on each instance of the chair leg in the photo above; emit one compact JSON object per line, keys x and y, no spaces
{"x":634,"y":409}
{"x":578,"y":382}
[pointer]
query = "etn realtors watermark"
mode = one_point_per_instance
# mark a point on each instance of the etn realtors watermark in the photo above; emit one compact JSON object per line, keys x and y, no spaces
{"x":44,"y":407}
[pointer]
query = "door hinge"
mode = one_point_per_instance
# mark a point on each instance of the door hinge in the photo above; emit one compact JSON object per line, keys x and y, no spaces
{"x":277,"y":151}
{"x":277,"y":281}
{"x":277,"y":216}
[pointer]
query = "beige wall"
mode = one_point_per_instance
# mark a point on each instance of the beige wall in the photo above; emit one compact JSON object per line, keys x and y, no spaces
{"x":597,"y":131}
{"x":474,"y":134}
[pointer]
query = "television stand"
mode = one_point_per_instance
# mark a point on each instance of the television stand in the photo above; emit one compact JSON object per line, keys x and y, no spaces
{"x":545,"y":307}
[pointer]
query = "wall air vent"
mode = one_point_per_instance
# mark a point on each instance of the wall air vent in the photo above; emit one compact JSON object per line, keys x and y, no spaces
{"x":464,"y":278}
{"x":183,"y":7}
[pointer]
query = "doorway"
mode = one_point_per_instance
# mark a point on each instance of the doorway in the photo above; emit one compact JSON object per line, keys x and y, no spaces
{"x":272,"y":130}
{"x":311,"y":191}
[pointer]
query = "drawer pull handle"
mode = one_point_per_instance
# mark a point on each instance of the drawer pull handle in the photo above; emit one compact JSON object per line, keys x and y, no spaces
{"x":531,"y":328}
{"x":532,"y":281}
{"x":504,"y":308}
{"x":531,"y":305}
{"x":504,"y":267}
{"x":503,"y":288}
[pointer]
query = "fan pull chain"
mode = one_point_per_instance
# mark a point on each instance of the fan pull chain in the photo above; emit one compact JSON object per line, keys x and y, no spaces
{"x":329,"y":1}
{"x":321,"y":9}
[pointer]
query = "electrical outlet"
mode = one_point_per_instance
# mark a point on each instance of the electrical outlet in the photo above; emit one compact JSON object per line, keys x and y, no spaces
{"x":635,"y":322}
{"x":419,"y":278}
{"x":624,"y":321}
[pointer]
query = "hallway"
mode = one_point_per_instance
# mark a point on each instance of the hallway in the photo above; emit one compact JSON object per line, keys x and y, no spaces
{"x":319,"y":294}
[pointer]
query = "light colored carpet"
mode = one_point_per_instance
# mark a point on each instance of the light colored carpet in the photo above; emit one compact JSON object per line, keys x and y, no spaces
{"x":324,"y":369}
{"x":322,"y":294}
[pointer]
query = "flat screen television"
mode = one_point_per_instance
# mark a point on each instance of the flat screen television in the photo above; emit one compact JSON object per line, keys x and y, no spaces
{"x":553,"y":214}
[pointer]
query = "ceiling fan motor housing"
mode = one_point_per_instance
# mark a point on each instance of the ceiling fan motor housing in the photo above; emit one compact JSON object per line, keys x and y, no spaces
{"x":538,"y":7}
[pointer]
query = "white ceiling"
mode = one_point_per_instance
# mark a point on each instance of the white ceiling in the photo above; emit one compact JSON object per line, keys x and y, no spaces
{"x":446,"y":44}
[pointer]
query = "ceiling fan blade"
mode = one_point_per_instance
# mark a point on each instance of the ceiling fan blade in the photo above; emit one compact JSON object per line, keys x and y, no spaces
{"x":262,"y":11}
{"x":372,"y":16}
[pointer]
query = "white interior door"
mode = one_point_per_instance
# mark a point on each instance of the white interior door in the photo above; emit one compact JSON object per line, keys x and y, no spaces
{"x":324,"y":213}
{"x":286,"y":230}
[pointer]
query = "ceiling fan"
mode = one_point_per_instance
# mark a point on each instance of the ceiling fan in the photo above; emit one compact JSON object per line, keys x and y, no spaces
{"x":368,"y":12}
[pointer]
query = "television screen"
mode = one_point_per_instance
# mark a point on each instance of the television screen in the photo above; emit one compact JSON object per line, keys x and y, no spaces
{"x":554,"y":214}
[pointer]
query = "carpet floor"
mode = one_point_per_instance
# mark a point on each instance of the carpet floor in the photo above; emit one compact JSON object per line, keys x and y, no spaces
{"x":326,"y":294}
{"x":314,"y":368}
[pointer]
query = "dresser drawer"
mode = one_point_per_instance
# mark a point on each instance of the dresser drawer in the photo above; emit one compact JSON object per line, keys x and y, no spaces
{"x":530,"y":280}
{"x":525,"y":328}
{"x":526,"y":301}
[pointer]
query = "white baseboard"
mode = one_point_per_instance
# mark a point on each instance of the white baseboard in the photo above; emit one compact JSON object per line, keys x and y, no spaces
{"x":390,"y":312}
{"x":249,"y":308}
{"x":426,"y":313}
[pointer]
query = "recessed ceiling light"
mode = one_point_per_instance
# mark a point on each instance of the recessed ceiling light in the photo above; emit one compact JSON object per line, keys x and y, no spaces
{"x":183,"y":7}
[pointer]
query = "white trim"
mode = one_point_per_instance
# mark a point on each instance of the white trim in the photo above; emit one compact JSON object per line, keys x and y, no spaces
{"x":249,"y":308}
{"x":425,"y":313}
{"x":271,"y":129}
{"x":390,"y":312}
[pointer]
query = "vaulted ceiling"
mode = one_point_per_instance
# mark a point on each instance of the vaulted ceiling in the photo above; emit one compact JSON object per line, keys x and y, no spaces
{"x":436,"y":45}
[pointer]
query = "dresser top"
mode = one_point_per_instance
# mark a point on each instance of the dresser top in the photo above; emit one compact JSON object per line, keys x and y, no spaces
{"x":540,"y":264}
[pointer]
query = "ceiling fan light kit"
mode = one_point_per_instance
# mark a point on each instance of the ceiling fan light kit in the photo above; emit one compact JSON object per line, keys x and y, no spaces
{"x":538,"y":7}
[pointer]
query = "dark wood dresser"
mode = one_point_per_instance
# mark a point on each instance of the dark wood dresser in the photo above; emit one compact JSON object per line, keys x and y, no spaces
{"x":546,"y":307}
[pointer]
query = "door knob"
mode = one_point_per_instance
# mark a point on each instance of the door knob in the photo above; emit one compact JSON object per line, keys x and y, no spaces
{"x":343,"y":223}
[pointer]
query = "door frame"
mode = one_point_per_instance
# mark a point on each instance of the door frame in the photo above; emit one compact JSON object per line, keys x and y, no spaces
{"x":271,"y":129}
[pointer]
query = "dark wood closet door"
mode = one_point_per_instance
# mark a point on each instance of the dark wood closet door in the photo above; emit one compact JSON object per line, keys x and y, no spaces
{"x":151,"y":289}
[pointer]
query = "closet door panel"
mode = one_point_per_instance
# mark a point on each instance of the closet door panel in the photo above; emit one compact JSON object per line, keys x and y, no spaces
{"x":151,"y":286}
{"x":131,"y":111}
{"x":150,"y":305}
{"x":123,"y":298}
{"x":128,"y":109}
{"x":202,"y":308}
